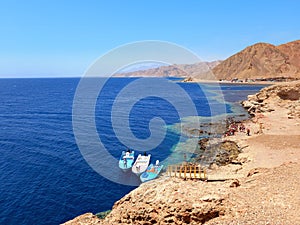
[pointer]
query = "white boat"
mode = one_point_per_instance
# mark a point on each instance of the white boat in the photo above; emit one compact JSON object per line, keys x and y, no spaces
{"x":152,"y":172}
{"x":141,"y":164}
{"x":126,"y":160}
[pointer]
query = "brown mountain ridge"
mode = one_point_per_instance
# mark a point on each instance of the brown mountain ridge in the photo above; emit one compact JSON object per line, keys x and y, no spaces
{"x":262,"y":60}
{"x":258,"y":61}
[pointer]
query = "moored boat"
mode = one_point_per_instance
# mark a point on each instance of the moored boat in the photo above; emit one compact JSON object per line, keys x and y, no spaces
{"x":152,"y":172}
{"x":141,"y":164}
{"x":126,"y":160}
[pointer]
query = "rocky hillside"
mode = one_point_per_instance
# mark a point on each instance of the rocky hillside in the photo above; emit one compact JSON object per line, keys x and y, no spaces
{"x":262,"y":60}
{"x":292,"y":50}
{"x":286,"y":96}
{"x":268,"y":192}
{"x":182,"y":70}
{"x":256,"y":199}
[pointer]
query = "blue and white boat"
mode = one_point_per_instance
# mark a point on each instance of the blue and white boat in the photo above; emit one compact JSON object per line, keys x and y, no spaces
{"x":152,"y":172}
{"x":126,"y":160}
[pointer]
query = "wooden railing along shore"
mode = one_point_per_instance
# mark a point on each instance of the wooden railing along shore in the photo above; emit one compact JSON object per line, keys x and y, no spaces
{"x":187,"y":171}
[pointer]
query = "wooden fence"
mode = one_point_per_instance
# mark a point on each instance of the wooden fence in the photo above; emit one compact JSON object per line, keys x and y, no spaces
{"x":187,"y":171}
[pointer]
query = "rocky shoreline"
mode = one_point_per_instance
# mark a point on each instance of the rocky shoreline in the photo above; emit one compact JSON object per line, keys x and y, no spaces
{"x":264,"y":168}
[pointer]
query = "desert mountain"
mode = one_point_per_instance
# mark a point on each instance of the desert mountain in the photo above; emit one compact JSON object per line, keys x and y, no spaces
{"x":292,"y":49}
{"x":180,"y":70}
{"x":262,"y":60}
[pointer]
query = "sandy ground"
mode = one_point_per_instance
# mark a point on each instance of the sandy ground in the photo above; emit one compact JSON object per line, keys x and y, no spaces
{"x":270,"y":172}
{"x":278,"y":141}
{"x":274,"y":140}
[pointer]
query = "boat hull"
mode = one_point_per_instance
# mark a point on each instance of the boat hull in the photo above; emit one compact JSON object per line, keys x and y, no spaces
{"x":151,"y":173}
{"x":141,"y":164}
{"x":126,"y":161}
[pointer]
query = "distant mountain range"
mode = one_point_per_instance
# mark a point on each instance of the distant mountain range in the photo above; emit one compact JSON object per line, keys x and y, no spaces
{"x":261,"y":60}
{"x":180,"y":70}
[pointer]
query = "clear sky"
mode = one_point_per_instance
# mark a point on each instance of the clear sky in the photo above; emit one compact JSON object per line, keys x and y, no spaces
{"x":62,"y":37}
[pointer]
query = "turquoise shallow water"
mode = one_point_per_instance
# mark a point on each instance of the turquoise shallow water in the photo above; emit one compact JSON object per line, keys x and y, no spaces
{"x":44,"y":178}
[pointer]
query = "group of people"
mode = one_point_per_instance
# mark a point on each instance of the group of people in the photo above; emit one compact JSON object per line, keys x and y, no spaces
{"x":233,"y":127}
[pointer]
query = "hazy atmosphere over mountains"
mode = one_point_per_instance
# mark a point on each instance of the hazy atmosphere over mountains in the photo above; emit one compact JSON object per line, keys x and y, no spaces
{"x":182,"y":70}
{"x":261,"y":60}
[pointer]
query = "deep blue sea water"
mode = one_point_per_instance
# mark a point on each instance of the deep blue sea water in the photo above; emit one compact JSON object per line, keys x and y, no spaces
{"x":43,"y":177}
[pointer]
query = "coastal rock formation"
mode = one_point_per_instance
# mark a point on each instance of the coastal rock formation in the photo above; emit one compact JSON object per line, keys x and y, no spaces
{"x":285,"y":96}
{"x":262,"y":60}
{"x":87,"y":218}
{"x":168,"y":201}
{"x":261,"y":198}
{"x":265,"y":189}
{"x":222,"y":152}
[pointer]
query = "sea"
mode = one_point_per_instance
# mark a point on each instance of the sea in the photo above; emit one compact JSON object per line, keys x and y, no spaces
{"x":44,"y":175}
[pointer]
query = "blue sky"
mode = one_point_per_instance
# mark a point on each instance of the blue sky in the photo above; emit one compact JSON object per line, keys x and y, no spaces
{"x":62,"y":38}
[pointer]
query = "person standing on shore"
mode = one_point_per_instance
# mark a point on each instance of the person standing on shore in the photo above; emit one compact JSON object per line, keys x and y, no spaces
{"x":260,"y":128}
{"x":248,"y":131}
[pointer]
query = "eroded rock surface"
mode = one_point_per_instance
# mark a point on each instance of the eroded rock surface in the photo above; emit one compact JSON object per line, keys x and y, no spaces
{"x":285,"y":96}
{"x":268,"y":196}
